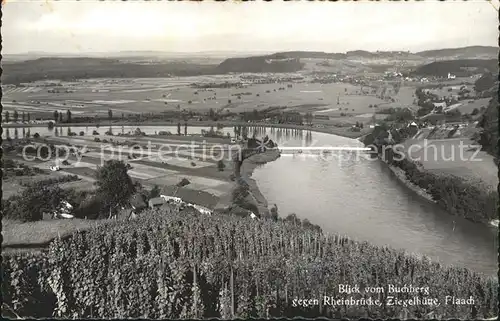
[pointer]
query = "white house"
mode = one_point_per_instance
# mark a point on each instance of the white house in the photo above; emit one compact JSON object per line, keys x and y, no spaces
{"x":437,"y":105}
{"x":451,"y":76}
{"x":201,"y":209}
{"x":172,"y":199}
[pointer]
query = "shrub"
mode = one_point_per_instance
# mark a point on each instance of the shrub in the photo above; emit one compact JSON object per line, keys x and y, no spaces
{"x":220,"y":165}
{"x":468,"y":199}
{"x":35,"y":200}
{"x":9,"y":163}
{"x":92,"y":206}
{"x":155,"y":192}
{"x":114,"y":184}
{"x":183,"y":182}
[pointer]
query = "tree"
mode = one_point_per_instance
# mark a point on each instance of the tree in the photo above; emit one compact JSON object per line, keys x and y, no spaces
{"x":255,"y":114}
{"x":179,"y":128}
{"x":16,"y":115}
{"x":110,"y":114}
{"x":7,"y":117}
{"x":211,"y":114}
{"x":60,"y":117}
{"x":155,"y":192}
{"x":293,"y":218}
{"x":68,"y":116}
{"x":37,"y":199}
{"x":185,"y":129}
{"x":23,"y":117}
{"x":114,"y":184}
{"x":28,"y":117}
{"x":56,"y":115}
{"x":221,"y":165}
{"x":485,"y":82}
{"x":274,"y":212}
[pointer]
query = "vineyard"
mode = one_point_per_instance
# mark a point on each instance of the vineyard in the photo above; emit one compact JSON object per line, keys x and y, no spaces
{"x":187,"y":265}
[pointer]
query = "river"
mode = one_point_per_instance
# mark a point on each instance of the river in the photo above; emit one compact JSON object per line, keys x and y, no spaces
{"x":359,"y":197}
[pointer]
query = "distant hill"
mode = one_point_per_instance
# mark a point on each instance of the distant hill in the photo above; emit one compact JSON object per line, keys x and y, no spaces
{"x":84,"y":67}
{"x":24,"y":68}
{"x":361,"y":53}
{"x":312,"y":54}
{"x":460,"y":52}
{"x":459,"y":67}
{"x":270,"y":63}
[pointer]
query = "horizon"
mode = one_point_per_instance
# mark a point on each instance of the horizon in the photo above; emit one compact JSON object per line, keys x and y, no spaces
{"x":60,"y":28}
{"x":232,"y":51}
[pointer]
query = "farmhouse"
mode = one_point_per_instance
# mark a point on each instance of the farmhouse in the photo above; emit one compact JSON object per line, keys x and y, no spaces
{"x":156,"y":202}
{"x":434,"y":118}
{"x":440,"y":105}
{"x":187,"y":195}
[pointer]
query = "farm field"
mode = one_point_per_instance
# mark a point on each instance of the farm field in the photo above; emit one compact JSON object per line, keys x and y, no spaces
{"x":467,"y":106}
{"x":145,"y":95}
{"x":13,"y":185}
{"x":15,"y":233}
{"x":163,"y":168}
{"x":446,"y":158}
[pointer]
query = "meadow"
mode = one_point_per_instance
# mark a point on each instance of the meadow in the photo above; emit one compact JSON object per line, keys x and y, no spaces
{"x":146,"y":95}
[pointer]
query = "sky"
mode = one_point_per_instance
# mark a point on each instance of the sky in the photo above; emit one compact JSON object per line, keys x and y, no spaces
{"x":112,"y":26}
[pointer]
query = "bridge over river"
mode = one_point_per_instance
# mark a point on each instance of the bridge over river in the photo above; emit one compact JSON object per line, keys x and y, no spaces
{"x":360,"y":197}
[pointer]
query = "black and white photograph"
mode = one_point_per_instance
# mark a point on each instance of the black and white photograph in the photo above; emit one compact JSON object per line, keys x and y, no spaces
{"x":250,"y":159}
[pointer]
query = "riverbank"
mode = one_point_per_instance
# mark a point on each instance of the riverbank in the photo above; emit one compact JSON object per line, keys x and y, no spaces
{"x":467,"y":198}
{"x":339,"y":131}
{"x":245,"y":172}
{"x":401,"y":177}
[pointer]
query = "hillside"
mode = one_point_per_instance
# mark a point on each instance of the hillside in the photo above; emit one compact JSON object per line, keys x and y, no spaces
{"x":85,"y":67}
{"x":270,"y":63}
{"x":460,"y":67}
{"x":180,"y":264}
{"x":68,"y":68}
{"x":312,"y":54}
{"x":489,"y":125}
{"x":465,"y":52}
